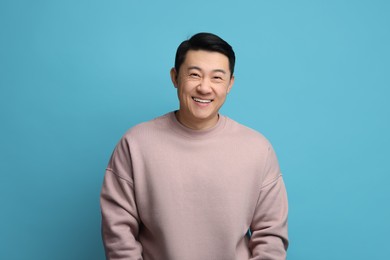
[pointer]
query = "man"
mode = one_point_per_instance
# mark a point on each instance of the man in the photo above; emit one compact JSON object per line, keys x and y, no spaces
{"x":189,"y":185}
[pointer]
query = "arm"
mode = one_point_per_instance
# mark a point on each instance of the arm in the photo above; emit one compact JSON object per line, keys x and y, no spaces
{"x":269,"y":225}
{"x":120,"y":220}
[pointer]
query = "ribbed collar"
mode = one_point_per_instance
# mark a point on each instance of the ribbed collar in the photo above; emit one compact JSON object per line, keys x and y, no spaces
{"x":196,"y":134}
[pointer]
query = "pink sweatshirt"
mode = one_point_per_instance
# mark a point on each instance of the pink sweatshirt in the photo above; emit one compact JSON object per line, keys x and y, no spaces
{"x":173,"y":193}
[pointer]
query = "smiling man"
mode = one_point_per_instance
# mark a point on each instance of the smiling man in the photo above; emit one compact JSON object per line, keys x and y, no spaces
{"x":190,"y":184}
{"x":203,"y":81}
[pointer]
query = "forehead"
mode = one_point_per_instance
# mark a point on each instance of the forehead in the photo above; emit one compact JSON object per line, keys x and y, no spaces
{"x":206,"y":60}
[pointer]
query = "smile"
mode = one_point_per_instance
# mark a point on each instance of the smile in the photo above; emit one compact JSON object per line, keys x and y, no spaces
{"x":202,"y":100}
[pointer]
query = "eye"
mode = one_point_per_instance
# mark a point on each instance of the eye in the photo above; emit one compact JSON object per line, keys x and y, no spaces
{"x":217,"y":78}
{"x":194,"y":75}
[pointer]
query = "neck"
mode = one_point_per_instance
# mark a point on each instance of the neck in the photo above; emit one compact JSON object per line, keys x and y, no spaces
{"x":197,"y":125}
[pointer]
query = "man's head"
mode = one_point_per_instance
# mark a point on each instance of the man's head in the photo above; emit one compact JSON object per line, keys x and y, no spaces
{"x":203,"y":76}
{"x":206,"y":42}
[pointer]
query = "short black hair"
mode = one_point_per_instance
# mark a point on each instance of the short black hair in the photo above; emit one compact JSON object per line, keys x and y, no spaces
{"x":207,"y":42}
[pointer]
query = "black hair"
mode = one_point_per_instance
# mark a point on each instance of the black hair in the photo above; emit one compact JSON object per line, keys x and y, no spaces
{"x":207,"y":42}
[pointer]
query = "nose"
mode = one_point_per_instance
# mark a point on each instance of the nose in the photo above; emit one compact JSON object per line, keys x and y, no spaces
{"x":204,"y":86}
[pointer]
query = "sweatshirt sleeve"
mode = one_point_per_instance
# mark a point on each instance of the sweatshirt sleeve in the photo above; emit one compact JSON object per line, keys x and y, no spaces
{"x":269,"y":224}
{"x":120,"y":220}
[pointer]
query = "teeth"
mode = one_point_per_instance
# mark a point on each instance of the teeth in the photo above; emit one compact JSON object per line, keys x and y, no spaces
{"x":202,"y":100}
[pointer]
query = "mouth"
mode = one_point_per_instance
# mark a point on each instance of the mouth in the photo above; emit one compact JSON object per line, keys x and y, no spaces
{"x":203,"y":101}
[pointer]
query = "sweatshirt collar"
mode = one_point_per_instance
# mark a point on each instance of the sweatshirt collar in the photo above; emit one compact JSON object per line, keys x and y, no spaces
{"x":192,"y":133}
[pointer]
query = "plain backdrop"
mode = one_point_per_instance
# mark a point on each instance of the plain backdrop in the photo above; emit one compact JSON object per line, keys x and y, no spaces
{"x":312,"y":76}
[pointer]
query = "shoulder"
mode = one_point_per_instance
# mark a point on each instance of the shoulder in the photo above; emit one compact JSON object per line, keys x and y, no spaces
{"x":246,"y":133}
{"x":148,"y":128}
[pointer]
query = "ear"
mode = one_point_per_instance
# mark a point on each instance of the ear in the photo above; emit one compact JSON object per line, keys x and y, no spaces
{"x":230,"y":84}
{"x":174,"y":77}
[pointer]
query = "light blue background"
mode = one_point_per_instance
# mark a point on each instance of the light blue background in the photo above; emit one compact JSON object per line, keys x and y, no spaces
{"x":313,"y":76}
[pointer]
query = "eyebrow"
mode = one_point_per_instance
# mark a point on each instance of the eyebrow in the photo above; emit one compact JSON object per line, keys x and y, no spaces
{"x":197,"y":68}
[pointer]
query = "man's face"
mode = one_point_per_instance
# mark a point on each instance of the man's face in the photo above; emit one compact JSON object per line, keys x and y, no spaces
{"x":203,"y":81}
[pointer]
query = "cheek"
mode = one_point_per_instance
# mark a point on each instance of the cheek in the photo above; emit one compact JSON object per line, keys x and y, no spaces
{"x":187,"y":88}
{"x":223,"y":91}
{"x":184,"y":95}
